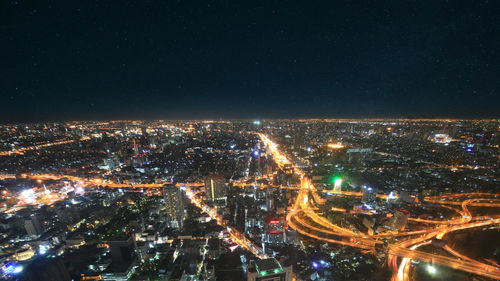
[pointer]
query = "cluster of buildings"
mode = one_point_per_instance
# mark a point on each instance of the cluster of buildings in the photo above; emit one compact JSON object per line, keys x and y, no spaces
{"x":107,"y":200}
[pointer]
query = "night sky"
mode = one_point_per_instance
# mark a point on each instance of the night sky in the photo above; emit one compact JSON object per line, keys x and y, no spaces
{"x":107,"y":59}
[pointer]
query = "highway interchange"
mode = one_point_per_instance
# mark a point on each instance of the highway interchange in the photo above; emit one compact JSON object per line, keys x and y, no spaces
{"x":306,"y":221}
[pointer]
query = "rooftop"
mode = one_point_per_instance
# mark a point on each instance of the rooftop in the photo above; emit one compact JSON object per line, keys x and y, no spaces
{"x":267,"y":266}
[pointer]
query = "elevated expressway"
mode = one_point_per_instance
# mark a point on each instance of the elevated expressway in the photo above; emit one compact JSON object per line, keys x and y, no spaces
{"x":305,"y":219}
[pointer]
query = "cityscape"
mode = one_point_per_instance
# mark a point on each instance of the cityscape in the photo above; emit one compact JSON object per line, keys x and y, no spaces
{"x":181,"y":140}
{"x":290,"y":199}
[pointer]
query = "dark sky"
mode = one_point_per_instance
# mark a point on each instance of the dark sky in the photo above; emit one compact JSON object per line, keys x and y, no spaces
{"x":110,"y":59}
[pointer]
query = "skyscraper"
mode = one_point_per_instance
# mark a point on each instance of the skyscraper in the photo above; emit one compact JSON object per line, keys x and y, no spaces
{"x":174,"y":205}
{"x":32,"y":226}
{"x":216,"y":190}
{"x":122,"y":250}
{"x":275,"y":233}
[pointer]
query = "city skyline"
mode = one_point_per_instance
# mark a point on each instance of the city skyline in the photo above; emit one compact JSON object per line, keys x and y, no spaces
{"x":250,"y":200}
{"x":182,"y":140}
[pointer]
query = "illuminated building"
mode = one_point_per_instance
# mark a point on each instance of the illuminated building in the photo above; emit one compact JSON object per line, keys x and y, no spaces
{"x":24,"y":254}
{"x":288,"y":168}
{"x":441,"y":138}
{"x":275,"y":233}
{"x":268,"y":270}
{"x":215,"y":189}
{"x":269,"y":200}
{"x":336,"y":145}
{"x":174,"y":205}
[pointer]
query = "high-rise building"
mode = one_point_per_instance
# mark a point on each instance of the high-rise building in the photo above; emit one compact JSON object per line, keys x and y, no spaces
{"x":123,"y":259}
{"x":216,"y":190}
{"x":275,"y":233}
{"x":268,"y":270}
{"x":32,"y":226}
{"x":122,"y":250}
{"x":214,"y":248}
{"x":270,"y":205}
{"x":174,"y":205}
{"x":299,"y":139}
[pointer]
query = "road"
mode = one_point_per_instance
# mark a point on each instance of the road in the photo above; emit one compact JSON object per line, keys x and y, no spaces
{"x":304,"y":218}
{"x":21,"y":151}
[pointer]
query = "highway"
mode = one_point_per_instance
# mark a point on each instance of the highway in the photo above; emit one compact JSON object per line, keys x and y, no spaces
{"x":305,"y":220}
{"x":21,"y":151}
{"x":236,"y":236}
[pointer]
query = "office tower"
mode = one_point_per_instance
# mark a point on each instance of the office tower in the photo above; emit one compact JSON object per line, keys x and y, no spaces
{"x":32,"y":226}
{"x":275,"y":233}
{"x":399,"y":220}
{"x":250,"y":218}
{"x":122,"y":250}
{"x":270,"y":200}
{"x":214,"y":248}
{"x":123,"y":259}
{"x":135,"y":144}
{"x":174,"y":205}
{"x":299,"y":139}
{"x":216,"y":190}
{"x":268,"y":270}
{"x":240,"y":215}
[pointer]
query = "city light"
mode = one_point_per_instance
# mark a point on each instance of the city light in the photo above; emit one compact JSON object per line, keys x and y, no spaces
{"x":17,"y":269}
{"x":336,"y":145}
{"x":289,"y":191}
{"x":337,"y":183}
{"x":431,"y":269}
{"x":28,"y":196}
